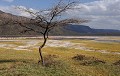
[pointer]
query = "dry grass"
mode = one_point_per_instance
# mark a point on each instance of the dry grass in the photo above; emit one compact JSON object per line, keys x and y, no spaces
{"x":60,"y":61}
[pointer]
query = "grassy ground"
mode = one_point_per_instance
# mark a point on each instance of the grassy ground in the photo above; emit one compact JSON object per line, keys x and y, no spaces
{"x":109,"y":46}
{"x":60,"y":61}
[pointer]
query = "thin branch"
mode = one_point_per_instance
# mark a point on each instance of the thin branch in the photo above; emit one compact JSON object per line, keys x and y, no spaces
{"x":29,"y":29}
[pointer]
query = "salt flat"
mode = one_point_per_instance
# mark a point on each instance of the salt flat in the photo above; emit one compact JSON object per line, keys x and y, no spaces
{"x":58,"y":41}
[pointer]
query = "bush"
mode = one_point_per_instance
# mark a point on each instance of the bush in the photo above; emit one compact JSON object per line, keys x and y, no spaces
{"x":79,"y":57}
{"x":117,"y":63}
{"x":88,"y":60}
{"x":50,"y":60}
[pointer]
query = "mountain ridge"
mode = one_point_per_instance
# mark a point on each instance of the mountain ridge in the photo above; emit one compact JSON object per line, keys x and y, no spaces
{"x":68,"y":30}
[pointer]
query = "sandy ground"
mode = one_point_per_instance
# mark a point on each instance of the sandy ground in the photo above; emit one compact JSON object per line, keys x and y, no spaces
{"x":68,"y":44}
{"x":26,"y":46}
{"x":50,"y":43}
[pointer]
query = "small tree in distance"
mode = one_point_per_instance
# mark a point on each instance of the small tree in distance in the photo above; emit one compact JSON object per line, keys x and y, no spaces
{"x":47,"y":20}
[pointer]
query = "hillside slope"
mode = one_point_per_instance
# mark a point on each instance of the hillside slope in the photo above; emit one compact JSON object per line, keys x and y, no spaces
{"x":14,"y":30}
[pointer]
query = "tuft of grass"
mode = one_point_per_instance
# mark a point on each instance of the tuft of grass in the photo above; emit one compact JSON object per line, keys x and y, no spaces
{"x":117,"y":63}
{"x":88,"y":60}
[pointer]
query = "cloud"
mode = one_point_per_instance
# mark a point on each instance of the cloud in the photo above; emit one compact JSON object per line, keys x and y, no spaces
{"x":15,"y":11}
{"x":8,"y":0}
{"x":102,"y":13}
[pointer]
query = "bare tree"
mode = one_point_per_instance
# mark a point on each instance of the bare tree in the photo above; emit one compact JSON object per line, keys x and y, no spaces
{"x":46,"y":20}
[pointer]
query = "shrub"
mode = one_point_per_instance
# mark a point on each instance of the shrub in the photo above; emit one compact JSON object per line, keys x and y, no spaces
{"x":117,"y":63}
{"x":50,"y":60}
{"x":88,"y":60}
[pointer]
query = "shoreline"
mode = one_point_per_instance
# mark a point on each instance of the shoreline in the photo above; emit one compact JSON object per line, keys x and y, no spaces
{"x":62,"y":37}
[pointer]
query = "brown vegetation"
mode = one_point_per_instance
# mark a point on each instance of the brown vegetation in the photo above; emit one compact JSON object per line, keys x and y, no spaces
{"x":117,"y":63}
{"x":88,"y":60}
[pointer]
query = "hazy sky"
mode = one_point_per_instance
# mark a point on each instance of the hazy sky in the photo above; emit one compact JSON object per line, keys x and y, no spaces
{"x":102,"y":13}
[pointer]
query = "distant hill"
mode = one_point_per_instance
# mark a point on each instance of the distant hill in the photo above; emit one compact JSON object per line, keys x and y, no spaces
{"x":79,"y":28}
{"x":14,"y":30}
{"x":86,"y":30}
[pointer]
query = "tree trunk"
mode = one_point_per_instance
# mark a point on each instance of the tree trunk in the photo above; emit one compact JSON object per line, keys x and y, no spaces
{"x":41,"y":57}
{"x":40,"y":51}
